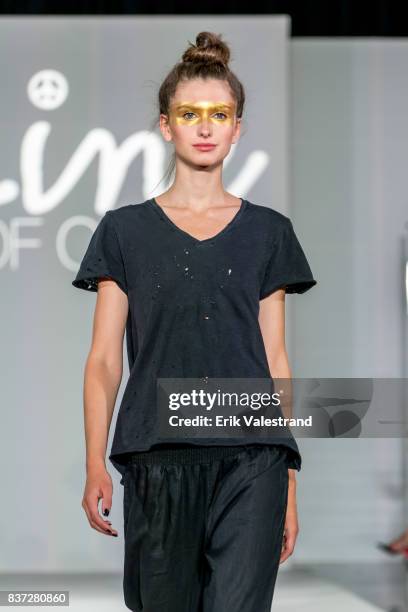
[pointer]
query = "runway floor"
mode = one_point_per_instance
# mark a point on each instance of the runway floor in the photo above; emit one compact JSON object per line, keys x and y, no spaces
{"x":313,"y":588}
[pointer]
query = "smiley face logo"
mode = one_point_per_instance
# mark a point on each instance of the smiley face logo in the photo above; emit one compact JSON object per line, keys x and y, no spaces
{"x":47,"y":89}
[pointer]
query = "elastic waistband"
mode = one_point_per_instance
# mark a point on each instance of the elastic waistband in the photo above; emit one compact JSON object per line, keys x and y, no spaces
{"x":185,"y":455}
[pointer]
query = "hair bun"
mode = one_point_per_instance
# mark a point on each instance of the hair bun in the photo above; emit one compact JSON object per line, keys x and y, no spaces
{"x":208,"y":48}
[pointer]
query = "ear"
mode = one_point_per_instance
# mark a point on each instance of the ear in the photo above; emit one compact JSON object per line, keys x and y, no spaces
{"x":165,"y":127}
{"x":237,"y":131}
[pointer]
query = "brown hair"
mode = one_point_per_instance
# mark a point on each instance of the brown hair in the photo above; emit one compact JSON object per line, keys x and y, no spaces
{"x":207,"y":59}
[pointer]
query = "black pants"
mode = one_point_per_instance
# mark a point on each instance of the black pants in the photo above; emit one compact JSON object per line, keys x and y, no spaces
{"x":204,"y":528}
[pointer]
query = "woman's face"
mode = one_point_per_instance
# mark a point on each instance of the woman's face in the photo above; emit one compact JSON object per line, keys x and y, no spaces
{"x":201,"y":112}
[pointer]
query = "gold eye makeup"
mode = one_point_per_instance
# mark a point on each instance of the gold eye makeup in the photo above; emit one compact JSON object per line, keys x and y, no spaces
{"x":191,"y":113}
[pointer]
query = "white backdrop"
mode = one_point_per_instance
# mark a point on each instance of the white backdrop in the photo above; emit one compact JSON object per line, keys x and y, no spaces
{"x":62,"y":136}
{"x":349,"y":136}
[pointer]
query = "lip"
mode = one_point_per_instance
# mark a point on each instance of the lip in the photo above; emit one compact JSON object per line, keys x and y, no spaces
{"x":204,"y":147}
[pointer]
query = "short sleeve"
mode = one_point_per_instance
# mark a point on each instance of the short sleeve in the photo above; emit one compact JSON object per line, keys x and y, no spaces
{"x":287,"y":265}
{"x":103,"y":257}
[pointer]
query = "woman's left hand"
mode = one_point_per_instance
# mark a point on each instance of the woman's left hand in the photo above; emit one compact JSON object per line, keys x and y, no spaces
{"x":291,"y":522}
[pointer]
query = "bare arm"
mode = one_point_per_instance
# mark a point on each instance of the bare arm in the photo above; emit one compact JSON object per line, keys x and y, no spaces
{"x":272,"y":324}
{"x":102,"y":378}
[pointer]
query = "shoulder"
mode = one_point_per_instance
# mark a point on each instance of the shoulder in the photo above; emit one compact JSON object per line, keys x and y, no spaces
{"x":269,"y":214}
{"x":123,"y":215}
{"x":272,"y":220}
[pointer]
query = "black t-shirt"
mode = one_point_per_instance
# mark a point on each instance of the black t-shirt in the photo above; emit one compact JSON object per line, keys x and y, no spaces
{"x":193,"y":305}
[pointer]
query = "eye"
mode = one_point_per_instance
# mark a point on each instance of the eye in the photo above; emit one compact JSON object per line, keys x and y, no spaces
{"x":220,"y":113}
{"x":188,"y":113}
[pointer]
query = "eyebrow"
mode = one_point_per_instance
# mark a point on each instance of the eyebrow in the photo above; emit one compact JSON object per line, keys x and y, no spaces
{"x":192,"y":105}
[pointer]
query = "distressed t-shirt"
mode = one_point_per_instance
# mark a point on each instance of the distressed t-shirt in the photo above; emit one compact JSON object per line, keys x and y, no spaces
{"x":193,"y":306}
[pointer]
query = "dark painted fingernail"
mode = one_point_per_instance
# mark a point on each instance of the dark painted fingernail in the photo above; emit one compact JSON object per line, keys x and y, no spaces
{"x":106,"y":512}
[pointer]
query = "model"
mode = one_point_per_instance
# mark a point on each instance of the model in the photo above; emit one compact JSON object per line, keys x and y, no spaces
{"x":197,"y":278}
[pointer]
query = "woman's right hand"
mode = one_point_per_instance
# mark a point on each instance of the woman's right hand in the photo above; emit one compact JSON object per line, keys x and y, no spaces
{"x":98,"y":486}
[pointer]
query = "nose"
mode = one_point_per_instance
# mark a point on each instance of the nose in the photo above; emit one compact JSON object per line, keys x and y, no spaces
{"x":204,"y":127}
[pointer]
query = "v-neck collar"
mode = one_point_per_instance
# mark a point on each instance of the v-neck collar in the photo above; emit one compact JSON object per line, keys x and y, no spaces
{"x":166,"y":218}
